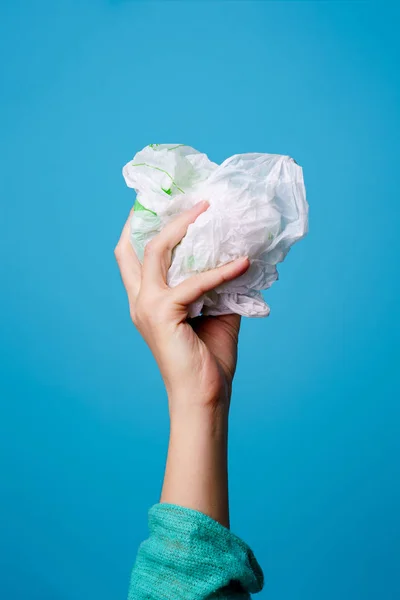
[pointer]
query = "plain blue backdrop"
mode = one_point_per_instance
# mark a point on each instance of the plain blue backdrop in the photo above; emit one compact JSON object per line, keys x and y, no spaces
{"x":314,"y":446}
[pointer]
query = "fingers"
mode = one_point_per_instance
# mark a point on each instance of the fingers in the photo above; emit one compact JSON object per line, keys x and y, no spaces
{"x":193,"y":288}
{"x":128,"y":262}
{"x":157,"y":255}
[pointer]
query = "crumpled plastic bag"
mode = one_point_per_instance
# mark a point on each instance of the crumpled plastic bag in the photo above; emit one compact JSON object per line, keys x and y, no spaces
{"x":258,"y":209}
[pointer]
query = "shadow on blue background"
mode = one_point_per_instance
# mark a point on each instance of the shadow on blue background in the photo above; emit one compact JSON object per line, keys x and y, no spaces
{"x":315,"y":419}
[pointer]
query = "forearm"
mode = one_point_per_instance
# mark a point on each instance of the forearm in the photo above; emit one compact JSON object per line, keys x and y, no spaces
{"x":190,"y":552}
{"x":196,"y":474}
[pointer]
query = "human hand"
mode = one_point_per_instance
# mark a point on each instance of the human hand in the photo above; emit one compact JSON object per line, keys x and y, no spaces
{"x":196,"y":357}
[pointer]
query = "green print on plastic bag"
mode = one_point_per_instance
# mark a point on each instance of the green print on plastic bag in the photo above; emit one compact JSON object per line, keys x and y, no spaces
{"x":158,"y":169}
{"x":168,"y":149}
{"x":137,"y":207}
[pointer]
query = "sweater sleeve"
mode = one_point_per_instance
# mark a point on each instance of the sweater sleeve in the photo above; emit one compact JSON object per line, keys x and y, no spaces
{"x":189,"y":556}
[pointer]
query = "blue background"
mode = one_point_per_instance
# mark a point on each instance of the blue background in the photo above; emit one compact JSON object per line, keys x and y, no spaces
{"x":314,"y":441}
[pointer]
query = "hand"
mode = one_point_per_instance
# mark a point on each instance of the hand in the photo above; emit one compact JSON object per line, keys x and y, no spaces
{"x":197,"y":357}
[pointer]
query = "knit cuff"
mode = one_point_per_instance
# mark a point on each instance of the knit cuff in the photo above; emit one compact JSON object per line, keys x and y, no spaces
{"x":190,"y":556}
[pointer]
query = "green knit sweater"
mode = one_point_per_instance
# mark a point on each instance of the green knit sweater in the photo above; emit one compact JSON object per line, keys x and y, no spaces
{"x":189,"y":556}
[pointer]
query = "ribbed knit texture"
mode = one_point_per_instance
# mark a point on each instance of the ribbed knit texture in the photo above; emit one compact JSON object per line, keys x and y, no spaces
{"x":189,"y":556}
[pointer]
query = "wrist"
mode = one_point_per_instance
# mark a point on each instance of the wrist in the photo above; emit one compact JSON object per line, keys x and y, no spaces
{"x":210,"y":418}
{"x":187,"y":400}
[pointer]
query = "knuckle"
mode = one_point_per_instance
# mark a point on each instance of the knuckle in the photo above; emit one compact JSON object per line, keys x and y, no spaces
{"x":120,"y":252}
{"x":153,"y":248}
{"x":117,"y":252}
{"x":138,"y":318}
{"x":133,"y":314}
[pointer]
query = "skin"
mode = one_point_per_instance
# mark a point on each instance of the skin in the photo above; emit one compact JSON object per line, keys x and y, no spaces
{"x":197,"y":360}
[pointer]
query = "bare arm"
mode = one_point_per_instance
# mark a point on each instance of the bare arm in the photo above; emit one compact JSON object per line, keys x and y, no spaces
{"x":197,"y":360}
{"x":196,"y":471}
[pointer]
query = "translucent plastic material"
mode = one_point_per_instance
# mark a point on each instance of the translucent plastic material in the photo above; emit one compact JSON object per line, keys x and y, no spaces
{"x":258,"y":209}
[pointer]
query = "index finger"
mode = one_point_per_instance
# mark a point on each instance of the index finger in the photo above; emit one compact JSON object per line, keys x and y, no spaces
{"x":158,"y":252}
{"x":128,"y":262}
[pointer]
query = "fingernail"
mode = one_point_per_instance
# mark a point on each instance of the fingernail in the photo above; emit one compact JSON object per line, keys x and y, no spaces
{"x":202,"y":203}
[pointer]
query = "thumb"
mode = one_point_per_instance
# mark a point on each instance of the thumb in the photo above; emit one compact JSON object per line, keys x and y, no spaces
{"x":193,"y":288}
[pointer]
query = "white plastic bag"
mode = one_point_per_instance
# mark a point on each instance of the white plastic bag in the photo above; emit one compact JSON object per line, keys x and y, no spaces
{"x":258,"y":209}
